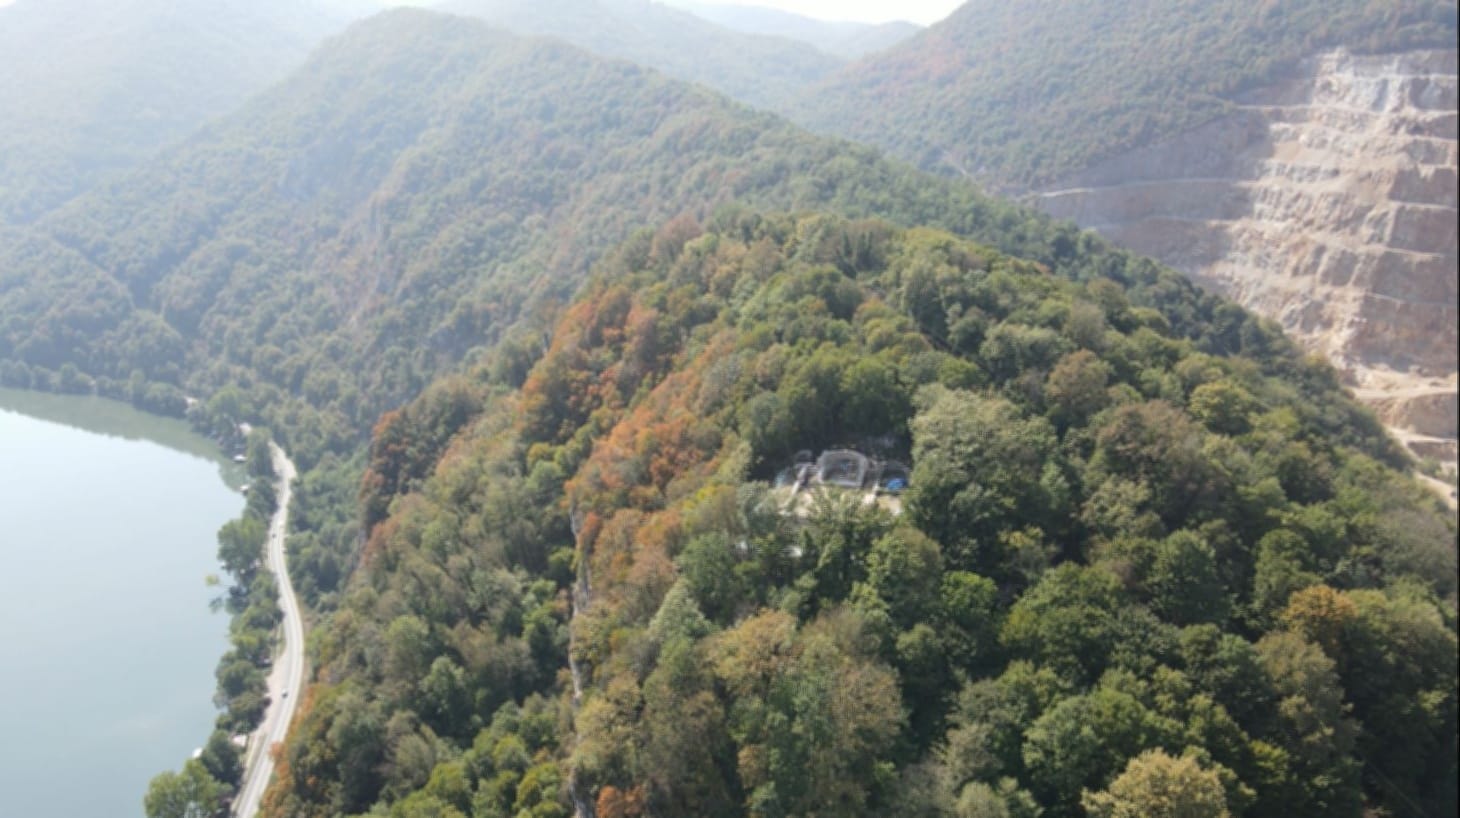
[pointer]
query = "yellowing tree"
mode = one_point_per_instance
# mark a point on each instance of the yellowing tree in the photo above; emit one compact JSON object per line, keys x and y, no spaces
{"x":1322,"y":615}
{"x":1155,"y":785}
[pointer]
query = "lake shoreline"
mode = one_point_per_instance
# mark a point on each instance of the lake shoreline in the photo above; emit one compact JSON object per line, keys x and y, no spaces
{"x":111,"y":517}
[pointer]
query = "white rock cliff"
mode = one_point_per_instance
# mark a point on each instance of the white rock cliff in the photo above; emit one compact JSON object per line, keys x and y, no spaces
{"x":1326,"y":202}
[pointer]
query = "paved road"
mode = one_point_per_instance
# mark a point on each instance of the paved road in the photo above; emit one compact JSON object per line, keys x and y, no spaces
{"x":288,"y":674}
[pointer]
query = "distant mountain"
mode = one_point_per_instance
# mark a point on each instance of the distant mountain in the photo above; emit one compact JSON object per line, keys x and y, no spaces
{"x":398,"y":202}
{"x":416,"y":199}
{"x":1298,"y":157}
{"x":1138,"y":518}
{"x":842,"y":38}
{"x":1017,"y":94}
{"x":875,"y":39}
{"x":767,"y":72}
{"x":92,"y":87}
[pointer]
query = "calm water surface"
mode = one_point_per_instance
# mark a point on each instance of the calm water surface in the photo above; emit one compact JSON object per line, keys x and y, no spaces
{"x":107,"y":645}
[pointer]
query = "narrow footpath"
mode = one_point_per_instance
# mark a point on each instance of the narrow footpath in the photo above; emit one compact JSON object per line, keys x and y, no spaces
{"x":288,"y":674}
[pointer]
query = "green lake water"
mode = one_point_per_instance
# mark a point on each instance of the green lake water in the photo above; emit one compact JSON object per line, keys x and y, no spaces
{"x":107,"y":643}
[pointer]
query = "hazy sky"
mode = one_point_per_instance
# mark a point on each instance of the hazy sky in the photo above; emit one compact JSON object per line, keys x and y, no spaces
{"x":869,"y":11}
{"x":925,"y":12}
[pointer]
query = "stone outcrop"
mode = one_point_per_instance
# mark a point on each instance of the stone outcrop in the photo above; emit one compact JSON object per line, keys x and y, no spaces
{"x":1326,"y":202}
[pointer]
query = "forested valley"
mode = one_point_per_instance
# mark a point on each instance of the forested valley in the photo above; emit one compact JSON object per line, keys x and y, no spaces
{"x":544,"y":331}
{"x":423,"y":186}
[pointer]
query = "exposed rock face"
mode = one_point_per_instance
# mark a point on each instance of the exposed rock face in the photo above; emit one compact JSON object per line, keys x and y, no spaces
{"x":1327,"y":202}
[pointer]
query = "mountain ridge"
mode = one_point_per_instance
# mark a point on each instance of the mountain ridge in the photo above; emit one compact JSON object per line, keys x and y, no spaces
{"x":93,"y":89}
{"x":844,"y":39}
{"x":373,"y":178}
{"x":762,"y":71}
{"x":588,"y":314}
{"x":971,"y":95}
{"x":1280,"y":165}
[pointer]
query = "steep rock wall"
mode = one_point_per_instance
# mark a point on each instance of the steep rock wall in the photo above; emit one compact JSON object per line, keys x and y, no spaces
{"x":1327,"y":202}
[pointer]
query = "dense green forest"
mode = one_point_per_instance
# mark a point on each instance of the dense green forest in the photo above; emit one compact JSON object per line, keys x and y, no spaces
{"x":1138,"y":558}
{"x":92,"y":88}
{"x":1147,"y":545}
{"x":1022,"y":94}
{"x":767,"y":72}
{"x":421,"y":184}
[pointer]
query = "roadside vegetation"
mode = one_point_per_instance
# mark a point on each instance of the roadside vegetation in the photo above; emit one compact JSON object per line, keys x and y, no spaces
{"x":207,"y":784}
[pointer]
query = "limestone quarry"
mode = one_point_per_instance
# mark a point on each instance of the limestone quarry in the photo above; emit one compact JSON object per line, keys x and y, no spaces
{"x":1326,"y":202}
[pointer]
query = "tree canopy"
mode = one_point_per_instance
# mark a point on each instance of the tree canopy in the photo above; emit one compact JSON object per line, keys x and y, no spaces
{"x":592,"y":594}
{"x":1146,"y":544}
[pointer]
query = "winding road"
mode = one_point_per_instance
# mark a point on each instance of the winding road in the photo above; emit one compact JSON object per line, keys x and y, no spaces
{"x":288,"y":675}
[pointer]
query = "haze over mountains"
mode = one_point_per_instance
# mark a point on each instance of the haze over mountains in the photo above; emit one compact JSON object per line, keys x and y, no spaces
{"x":759,"y":70}
{"x":411,"y":190}
{"x":547,"y":330}
{"x":844,"y":39}
{"x":91,"y":88}
{"x":94,"y":88}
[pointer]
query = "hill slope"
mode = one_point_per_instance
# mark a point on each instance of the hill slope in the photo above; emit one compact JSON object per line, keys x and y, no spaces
{"x":1252,"y":146}
{"x":415,"y":188}
{"x":1326,"y":201}
{"x":1113,"y":543}
{"x":410,"y":195}
{"x":1019,"y":95}
{"x":1116,"y":477}
{"x":763,"y":71}
{"x":92,"y":88}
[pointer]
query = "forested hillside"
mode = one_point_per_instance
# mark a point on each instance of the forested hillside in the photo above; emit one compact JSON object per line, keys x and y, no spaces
{"x":390,"y":212}
{"x":90,"y":88}
{"x":1145,"y":539}
{"x":1020,"y":94}
{"x":764,"y":71}
{"x":394,"y":207}
{"x":1136,"y":562}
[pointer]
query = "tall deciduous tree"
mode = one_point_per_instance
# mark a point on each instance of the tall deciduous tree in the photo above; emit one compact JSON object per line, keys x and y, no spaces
{"x":981,"y":470}
{"x":1184,"y":581}
{"x":241,"y":547}
{"x":1076,"y":388}
{"x":1315,"y":773}
{"x":192,"y":793}
{"x":1155,"y":785}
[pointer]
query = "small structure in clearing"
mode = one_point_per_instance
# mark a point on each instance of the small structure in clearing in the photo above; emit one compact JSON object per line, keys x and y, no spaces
{"x":844,"y":469}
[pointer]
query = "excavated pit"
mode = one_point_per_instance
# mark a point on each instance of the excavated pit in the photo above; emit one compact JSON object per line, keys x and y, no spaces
{"x":1326,"y":202}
